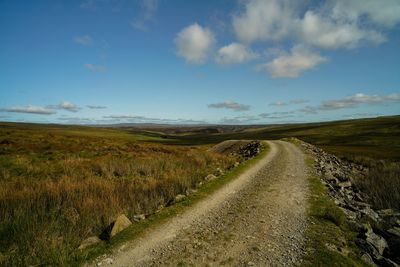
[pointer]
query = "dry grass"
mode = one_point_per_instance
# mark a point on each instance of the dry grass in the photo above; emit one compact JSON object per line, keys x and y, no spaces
{"x":57,"y":189}
{"x":382,"y":184}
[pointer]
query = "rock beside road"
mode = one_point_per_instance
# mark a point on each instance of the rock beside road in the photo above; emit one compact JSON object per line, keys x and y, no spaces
{"x":377,"y":236}
{"x":121,"y":223}
{"x":243,"y":148}
{"x":89,"y":242}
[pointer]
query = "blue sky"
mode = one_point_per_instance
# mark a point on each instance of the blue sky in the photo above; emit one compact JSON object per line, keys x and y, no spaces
{"x":229,"y":62}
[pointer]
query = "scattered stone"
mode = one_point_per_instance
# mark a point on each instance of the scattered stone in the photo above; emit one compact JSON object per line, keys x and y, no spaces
{"x":376,"y":240}
{"x":108,"y":261}
{"x":89,"y":242}
{"x":380,"y":247}
{"x":191,"y":192}
{"x":139,"y":217}
{"x":179,"y":198}
{"x":243,"y":148}
{"x":210,"y":177}
{"x":160,"y":208}
{"x":370,"y":213}
{"x":121,"y":223}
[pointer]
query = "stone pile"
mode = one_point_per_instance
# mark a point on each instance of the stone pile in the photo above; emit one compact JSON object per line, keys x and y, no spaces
{"x":379,"y":230}
{"x":250,"y":149}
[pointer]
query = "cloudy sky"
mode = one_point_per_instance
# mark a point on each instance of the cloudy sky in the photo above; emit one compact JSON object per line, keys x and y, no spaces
{"x":217,"y":61}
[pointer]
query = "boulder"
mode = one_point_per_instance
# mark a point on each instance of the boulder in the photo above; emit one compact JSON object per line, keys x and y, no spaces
{"x":375,"y":240}
{"x":370,"y":213}
{"x":90,"y":241}
{"x":368,"y":248}
{"x":121,"y":223}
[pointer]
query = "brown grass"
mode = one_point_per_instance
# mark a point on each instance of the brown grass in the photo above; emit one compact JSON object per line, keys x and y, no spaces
{"x":56,"y":191}
{"x":382,"y":184}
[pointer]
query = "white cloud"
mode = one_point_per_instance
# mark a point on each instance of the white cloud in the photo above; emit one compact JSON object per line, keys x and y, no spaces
{"x":68,"y":106}
{"x":84,"y":40}
{"x":353,"y":101}
{"x":194,"y":43}
{"x":298,"y":101}
{"x":95,"y":68}
{"x":29,"y":109}
{"x":322,"y":31}
{"x":362,"y":115}
{"x":234,"y":53}
{"x":331,"y":25}
{"x":358,"y":99}
{"x":148,"y":10}
{"x":278,"y":115}
{"x":230,"y":105}
{"x":278,"y":104}
{"x":76,"y":120}
{"x":240,"y":119}
{"x":144,"y":119}
{"x":292,"y":65}
{"x":309,"y":109}
{"x":385,"y":13}
{"x":88,"y":4}
{"x":65,"y":105}
{"x":265,"y":20}
{"x":96,"y":107}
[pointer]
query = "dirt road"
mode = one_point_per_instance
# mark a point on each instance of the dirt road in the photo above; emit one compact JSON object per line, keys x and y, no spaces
{"x":257,"y":219}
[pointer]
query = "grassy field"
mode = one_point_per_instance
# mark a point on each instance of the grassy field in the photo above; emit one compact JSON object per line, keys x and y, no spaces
{"x":377,"y":138}
{"x":374,"y":143}
{"x":61,"y":184}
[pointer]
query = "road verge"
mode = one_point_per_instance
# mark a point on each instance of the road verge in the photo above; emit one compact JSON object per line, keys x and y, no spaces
{"x":140,"y":228}
{"x":330,"y":241}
